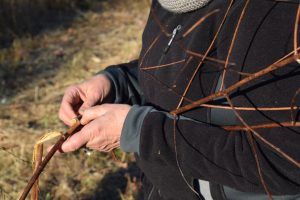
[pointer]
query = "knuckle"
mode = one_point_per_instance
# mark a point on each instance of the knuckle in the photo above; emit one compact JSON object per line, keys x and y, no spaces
{"x":71,"y":90}
{"x":87,"y":132}
{"x":61,"y":114}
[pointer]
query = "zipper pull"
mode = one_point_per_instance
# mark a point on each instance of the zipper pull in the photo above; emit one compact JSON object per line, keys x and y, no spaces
{"x":175,"y":31}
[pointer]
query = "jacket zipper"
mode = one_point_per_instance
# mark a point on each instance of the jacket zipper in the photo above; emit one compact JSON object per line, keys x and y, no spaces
{"x":166,"y":49}
{"x":175,"y":31}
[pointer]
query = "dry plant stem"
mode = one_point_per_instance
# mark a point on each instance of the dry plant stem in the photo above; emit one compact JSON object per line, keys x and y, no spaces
{"x":260,"y":173}
{"x":201,"y":57}
{"x":156,"y":19}
{"x":232,"y":43}
{"x":39,"y":157}
{"x":296,"y":31}
{"x":200,"y":21}
{"x":249,"y":108}
{"x":262,"y":126}
{"x":227,"y":107}
{"x":179,"y":72}
{"x":163,"y":66}
{"x":176,"y":157}
{"x":224,"y":106}
{"x":204,"y":57}
{"x":148,"y":50}
{"x":257,"y":135}
{"x":293,"y":107}
{"x":47,"y":158}
{"x":15,"y":156}
{"x":244,"y":81}
{"x":253,"y":147}
{"x":252,"y":134}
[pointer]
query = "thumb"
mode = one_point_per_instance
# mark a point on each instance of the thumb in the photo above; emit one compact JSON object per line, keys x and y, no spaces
{"x":92,"y":113}
{"x":75,"y":141}
{"x":86,"y":105}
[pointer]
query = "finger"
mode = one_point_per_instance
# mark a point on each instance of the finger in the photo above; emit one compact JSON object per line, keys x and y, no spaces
{"x":66,"y":115}
{"x":92,"y":113}
{"x":75,"y":141}
{"x":59,"y":151}
{"x":110,"y":148}
{"x":84,"y":106}
{"x":68,"y":105}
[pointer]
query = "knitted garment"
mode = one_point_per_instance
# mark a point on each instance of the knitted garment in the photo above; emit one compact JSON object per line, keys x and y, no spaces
{"x":182,"y":6}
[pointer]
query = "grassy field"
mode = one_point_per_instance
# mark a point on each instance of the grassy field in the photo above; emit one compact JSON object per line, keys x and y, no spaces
{"x":35,"y":69}
{"x":30,"y":17}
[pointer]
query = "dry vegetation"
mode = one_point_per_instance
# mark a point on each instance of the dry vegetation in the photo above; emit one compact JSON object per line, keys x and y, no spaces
{"x":36,"y":67}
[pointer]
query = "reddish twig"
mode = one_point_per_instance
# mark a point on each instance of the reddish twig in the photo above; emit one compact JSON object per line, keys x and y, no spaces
{"x":262,"y":126}
{"x":244,"y":81}
{"x":47,"y":158}
{"x":250,"y":133}
{"x":164,"y":65}
{"x":262,"y":139}
{"x":296,"y":31}
{"x":149,"y":48}
{"x":294,"y":107}
{"x":204,"y":57}
{"x":199,"y":22}
{"x":259,"y":169}
{"x":233,"y":42}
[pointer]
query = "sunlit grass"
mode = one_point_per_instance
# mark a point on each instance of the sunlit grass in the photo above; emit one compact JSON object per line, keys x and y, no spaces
{"x":34,"y":72}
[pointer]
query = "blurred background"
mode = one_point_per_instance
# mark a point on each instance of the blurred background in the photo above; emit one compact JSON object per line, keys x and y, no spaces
{"x":45,"y":46}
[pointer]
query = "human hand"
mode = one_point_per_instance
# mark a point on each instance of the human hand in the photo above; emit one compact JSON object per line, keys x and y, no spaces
{"x":78,"y":98}
{"x":102,"y":128}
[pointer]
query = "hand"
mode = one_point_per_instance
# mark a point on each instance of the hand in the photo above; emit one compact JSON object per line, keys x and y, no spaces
{"x":79,"y":97}
{"x":102,"y":130}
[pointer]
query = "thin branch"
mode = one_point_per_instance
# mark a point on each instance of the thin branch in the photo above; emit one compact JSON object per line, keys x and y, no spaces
{"x":259,"y":169}
{"x":177,"y":160}
{"x":296,"y":31}
{"x":205,"y":56}
{"x":199,"y":22}
{"x":47,"y":158}
{"x":274,"y":66}
{"x":161,"y":26}
{"x":202,"y":57}
{"x":163,"y":66}
{"x":262,"y":180}
{"x":262,"y":139}
{"x":149,"y":48}
{"x":233,"y":42}
{"x":225,"y":107}
{"x":262,"y":126}
{"x":293,"y":107}
{"x":38,"y":160}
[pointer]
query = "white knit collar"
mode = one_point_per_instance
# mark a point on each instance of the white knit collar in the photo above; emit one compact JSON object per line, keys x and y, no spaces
{"x":182,"y":6}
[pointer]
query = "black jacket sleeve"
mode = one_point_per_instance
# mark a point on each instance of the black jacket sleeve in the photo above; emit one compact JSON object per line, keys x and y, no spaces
{"x":125,"y":83}
{"x":219,"y":156}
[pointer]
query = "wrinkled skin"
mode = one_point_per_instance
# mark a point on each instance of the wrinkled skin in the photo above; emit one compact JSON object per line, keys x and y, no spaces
{"x":102,"y":122}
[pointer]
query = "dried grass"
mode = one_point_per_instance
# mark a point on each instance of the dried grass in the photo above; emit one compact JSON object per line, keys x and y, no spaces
{"x":34,"y":71}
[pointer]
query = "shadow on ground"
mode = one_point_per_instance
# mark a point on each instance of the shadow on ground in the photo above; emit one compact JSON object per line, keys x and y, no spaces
{"x":29,"y":50}
{"x":26,"y":18}
{"x":114,"y":184}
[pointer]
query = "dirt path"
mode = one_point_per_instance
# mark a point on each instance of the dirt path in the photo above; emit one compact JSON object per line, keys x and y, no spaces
{"x":34,"y":74}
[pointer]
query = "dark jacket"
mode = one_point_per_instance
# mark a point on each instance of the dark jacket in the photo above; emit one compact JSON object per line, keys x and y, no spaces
{"x":173,"y":151}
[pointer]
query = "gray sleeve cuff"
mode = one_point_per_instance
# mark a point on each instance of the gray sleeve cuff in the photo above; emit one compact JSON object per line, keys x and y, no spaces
{"x":130,"y":136}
